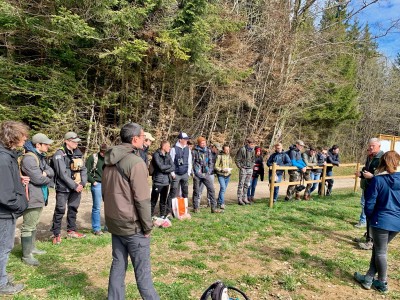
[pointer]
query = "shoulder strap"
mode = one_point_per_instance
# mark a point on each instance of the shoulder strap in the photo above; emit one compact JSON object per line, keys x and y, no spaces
{"x":121,"y":172}
{"x":33,"y":155}
{"x":95,"y":160}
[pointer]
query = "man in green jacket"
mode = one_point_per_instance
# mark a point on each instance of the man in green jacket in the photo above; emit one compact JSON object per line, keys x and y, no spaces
{"x":127,"y":210}
{"x":94,"y":166}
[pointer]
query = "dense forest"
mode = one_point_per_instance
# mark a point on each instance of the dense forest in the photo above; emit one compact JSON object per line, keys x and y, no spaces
{"x":226,"y":69}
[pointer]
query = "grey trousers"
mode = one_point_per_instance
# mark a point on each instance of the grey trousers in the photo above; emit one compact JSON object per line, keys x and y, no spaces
{"x":181,"y":181}
{"x":7,"y":234}
{"x":208,"y":182}
{"x":137,"y":246}
{"x":378,"y":263}
{"x":244,"y":183}
{"x":201,"y":188}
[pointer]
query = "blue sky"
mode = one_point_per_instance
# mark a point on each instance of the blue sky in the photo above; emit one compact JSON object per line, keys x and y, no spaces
{"x":381,"y":16}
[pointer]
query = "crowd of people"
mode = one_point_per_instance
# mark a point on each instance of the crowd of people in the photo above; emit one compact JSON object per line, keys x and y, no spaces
{"x":118,"y":175}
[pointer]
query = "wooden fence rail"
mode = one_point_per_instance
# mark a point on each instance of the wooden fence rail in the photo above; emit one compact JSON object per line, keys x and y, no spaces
{"x":275,"y":168}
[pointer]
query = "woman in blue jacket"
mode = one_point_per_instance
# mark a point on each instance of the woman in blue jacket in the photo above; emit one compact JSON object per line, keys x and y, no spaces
{"x":382,"y":208}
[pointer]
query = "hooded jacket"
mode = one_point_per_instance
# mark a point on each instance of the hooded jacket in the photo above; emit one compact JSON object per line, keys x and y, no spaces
{"x":245,"y":157}
{"x":382,"y":201}
{"x":281,"y":159}
{"x":296,"y":158}
{"x":202,"y":162}
{"x":333,"y":159}
{"x":127,"y":206}
{"x":13,"y":201}
{"x":38,"y":190}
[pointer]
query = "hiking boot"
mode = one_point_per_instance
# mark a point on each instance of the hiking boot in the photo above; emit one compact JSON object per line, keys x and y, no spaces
{"x":75,"y":235}
{"x":196,"y":210}
{"x":360,"y":225}
{"x":245,"y":201}
{"x":98,"y":232}
{"x":11,"y":289}
{"x":297,"y":197}
{"x":34,"y":249}
{"x":56,"y":239}
{"x":307,"y":197}
{"x":27,"y":257}
{"x":364,"y":280}
{"x":287,"y":198}
{"x":216,"y":211}
{"x":366,"y":246}
{"x":222,"y":206}
{"x":240,"y":202}
{"x":380,"y":286}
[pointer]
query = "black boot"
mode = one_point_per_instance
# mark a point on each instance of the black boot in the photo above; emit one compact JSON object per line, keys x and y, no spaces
{"x":27,"y":256}
{"x":329,"y":190}
{"x":34,"y":249}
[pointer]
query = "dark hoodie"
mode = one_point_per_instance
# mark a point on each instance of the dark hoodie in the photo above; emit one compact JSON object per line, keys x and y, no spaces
{"x":13,"y":201}
{"x":382,"y":201}
{"x":127,"y":206}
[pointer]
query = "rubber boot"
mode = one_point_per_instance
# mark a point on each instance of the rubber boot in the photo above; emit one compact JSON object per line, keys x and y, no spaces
{"x":27,"y":256}
{"x":34,"y":249}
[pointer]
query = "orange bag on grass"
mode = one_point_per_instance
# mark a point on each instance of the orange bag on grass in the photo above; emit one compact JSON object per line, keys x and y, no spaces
{"x":180,"y":208}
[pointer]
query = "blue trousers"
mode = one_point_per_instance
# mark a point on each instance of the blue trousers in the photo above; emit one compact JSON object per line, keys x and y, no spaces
{"x":223,"y":183}
{"x":252,"y":188}
{"x":96,"y":196}
{"x":314,"y":176}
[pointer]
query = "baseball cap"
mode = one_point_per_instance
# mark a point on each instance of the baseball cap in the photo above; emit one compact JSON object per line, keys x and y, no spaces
{"x":41,"y":138}
{"x":72,"y":136}
{"x":218,"y":146}
{"x":300,"y":142}
{"x":183,"y":136}
{"x":148,"y":136}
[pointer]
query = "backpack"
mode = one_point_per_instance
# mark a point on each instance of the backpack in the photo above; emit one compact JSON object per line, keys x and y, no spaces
{"x":151,"y":168}
{"x":95,"y":160}
{"x":219,"y":291}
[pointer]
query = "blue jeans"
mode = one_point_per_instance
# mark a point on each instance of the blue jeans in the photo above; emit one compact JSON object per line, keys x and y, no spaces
{"x":363,"y":217}
{"x":252,"y":188}
{"x":223,"y":183}
{"x":278,"y":178}
{"x":314,"y":176}
{"x":7,"y":235}
{"x":137,"y":247}
{"x":96,"y":196}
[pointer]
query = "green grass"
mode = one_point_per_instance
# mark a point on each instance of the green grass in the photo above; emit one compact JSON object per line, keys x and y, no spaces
{"x":296,"y":249}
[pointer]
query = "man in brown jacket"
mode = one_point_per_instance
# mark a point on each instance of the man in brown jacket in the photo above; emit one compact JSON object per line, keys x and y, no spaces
{"x":127,"y":210}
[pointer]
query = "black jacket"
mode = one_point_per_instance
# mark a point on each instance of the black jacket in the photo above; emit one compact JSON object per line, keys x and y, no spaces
{"x":64,"y":176}
{"x":13,"y":201}
{"x":258,"y":169}
{"x":163,"y":166}
{"x":332,"y":159}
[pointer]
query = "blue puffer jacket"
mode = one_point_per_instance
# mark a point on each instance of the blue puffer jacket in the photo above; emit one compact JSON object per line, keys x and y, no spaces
{"x":382,"y":201}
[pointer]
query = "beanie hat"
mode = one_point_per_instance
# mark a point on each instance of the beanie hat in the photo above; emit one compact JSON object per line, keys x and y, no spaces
{"x":200,"y":139}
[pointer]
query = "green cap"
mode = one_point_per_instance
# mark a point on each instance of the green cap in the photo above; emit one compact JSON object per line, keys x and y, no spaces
{"x":41,"y":138}
{"x":72,"y":136}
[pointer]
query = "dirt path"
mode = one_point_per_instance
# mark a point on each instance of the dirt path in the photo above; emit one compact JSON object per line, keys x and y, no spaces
{"x":84,"y":214}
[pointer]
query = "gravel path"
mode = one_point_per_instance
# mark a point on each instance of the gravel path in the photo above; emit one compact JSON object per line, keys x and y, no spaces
{"x":84,"y":214}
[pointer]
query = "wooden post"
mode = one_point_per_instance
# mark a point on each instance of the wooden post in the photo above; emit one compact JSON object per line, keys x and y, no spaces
{"x":356,"y":177}
{"x":323,"y":181}
{"x":272,"y":186}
